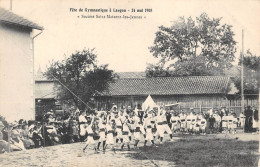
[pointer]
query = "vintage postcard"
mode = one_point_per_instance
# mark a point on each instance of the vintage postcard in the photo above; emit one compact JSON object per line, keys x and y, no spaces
{"x":129,"y":83}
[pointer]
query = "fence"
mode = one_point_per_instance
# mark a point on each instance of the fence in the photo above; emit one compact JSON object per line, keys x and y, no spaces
{"x":197,"y":102}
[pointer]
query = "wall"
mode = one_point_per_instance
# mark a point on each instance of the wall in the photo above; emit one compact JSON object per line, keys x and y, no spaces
{"x":16,"y":73}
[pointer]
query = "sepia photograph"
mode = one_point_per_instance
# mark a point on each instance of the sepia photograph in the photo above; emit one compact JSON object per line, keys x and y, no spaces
{"x":124,"y":83}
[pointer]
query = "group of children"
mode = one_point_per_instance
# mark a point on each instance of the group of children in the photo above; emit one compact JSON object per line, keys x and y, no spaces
{"x":126,"y":126}
{"x":123,"y":127}
{"x":215,"y":122}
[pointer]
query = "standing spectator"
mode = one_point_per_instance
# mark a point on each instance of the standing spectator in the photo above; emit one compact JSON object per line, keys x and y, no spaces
{"x":224,"y":123}
{"x":248,"y":121}
{"x":168,"y":118}
{"x":46,"y":135}
{"x":75,"y":131}
{"x":66,"y":133}
{"x":211,"y":123}
{"x":255,"y":118}
{"x":242,"y":119}
{"x":82,"y":125}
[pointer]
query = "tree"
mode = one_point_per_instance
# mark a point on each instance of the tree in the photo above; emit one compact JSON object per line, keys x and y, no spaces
{"x":251,"y":73}
{"x":80,"y":74}
{"x":200,"y":47}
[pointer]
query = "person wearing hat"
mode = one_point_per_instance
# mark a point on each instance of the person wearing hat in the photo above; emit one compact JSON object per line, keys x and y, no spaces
{"x":16,"y":142}
{"x":202,"y":124}
{"x":129,"y":110}
{"x":183,"y":124}
{"x":188,"y":122}
{"x":119,"y":127}
{"x":148,"y":127}
{"x":255,"y":119}
{"x":109,"y":132}
{"x":125,"y":133}
{"x":114,"y":108}
{"x":82,"y":125}
{"x":234,"y":123}
{"x":175,"y":122}
{"x":36,"y":135}
{"x":162,"y":124}
{"x":242,"y":119}
{"x":138,"y":129}
{"x":193,"y":122}
{"x":90,"y":139}
{"x":28,"y":143}
{"x":217,"y":121}
{"x":101,"y":127}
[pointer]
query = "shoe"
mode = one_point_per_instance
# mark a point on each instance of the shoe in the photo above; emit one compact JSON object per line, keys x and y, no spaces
{"x":83,"y":150}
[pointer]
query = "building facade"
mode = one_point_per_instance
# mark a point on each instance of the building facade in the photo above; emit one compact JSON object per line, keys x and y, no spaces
{"x":197,"y":92}
{"x":16,"y":66}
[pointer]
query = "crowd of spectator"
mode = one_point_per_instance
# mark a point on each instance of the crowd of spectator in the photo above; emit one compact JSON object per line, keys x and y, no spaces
{"x":54,"y":129}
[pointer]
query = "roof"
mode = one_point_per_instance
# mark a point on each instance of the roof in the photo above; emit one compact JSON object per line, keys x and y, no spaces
{"x":40,"y":77}
{"x":45,"y":90}
{"x":11,"y":18}
{"x":169,"y":86}
{"x":131,"y":74}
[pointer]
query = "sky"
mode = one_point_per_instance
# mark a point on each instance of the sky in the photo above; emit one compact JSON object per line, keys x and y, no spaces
{"x":123,"y":43}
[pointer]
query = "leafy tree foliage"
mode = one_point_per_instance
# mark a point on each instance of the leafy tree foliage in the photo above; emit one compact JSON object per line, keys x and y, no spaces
{"x":80,"y":74}
{"x":194,"y":47}
{"x":251,"y":74}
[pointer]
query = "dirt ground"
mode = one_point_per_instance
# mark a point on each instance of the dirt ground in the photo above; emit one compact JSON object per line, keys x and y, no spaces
{"x":72,"y":155}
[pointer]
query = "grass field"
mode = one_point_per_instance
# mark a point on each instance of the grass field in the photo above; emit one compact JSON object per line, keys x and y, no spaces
{"x":204,"y":151}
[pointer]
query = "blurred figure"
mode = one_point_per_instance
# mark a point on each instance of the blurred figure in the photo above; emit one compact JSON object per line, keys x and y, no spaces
{"x":3,"y":143}
{"x":36,"y":134}
{"x":28,"y":143}
{"x":242,"y":119}
{"x":82,"y":125}
{"x":16,"y":142}
{"x":75,"y":131}
{"x":255,"y":119}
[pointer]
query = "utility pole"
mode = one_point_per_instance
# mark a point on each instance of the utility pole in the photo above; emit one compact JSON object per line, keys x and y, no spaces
{"x":11,"y":4}
{"x":242,"y":74}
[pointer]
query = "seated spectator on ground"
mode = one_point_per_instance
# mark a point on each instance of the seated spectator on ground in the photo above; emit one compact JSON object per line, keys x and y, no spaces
{"x":28,"y":143}
{"x":36,"y":135}
{"x":16,"y":142}
{"x":52,"y":133}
